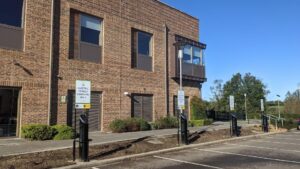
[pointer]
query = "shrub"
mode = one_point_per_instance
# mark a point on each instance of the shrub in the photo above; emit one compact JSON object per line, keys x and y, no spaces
{"x":199,"y":123}
{"x":37,"y":132}
{"x":208,"y":122}
{"x":196,"y":123}
{"x":198,"y":108}
{"x":144,"y":125}
{"x":118,"y":126}
{"x":166,"y":122}
{"x":63,"y":132}
{"x":129,"y":125}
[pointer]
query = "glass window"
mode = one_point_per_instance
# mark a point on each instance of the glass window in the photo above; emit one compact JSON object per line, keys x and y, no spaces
{"x":196,"y":55}
{"x":90,"y":29}
{"x":11,"y":12}
{"x":187,"y":54}
{"x":144,"y":43}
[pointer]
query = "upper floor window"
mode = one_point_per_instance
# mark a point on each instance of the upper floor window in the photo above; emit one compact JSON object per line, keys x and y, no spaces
{"x":90,"y":29}
{"x":144,"y":43}
{"x":11,"y":12}
{"x":193,"y":55}
{"x":85,"y":37}
{"x":141,"y":50}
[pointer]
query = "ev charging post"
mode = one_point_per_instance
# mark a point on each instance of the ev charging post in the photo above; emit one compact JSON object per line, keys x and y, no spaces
{"x":82,"y":102}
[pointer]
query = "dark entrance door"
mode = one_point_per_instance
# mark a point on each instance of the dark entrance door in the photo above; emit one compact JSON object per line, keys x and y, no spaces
{"x":8,"y":111}
{"x":94,"y":113}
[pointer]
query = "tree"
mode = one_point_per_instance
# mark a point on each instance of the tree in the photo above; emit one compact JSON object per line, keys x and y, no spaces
{"x":292,"y":102}
{"x":237,"y":86}
{"x":217,"y":93}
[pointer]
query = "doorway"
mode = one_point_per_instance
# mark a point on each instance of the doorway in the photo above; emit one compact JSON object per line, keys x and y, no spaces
{"x":9,"y":112}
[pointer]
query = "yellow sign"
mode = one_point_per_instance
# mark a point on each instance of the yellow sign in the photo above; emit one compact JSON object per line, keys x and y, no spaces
{"x":87,"y":106}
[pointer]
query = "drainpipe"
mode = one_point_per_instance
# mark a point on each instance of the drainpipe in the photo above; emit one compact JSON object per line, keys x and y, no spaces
{"x":167,"y":70}
{"x":50,"y":63}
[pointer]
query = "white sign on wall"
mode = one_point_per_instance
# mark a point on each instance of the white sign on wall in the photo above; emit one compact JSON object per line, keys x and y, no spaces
{"x":231,"y":102}
{"x":180,"y":99}
{"x":83,"y":94}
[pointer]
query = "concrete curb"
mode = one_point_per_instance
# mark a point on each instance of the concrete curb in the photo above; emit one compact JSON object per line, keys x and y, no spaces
{"x":118,"y":159}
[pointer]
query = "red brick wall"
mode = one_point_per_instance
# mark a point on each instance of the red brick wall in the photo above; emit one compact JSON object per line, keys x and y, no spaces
{"x":28,"y":69}
{"x":115,"y":76}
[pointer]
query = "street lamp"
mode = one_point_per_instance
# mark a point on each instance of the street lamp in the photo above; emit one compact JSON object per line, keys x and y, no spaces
{"x":245,"y":95}
{"x":278,"y":106}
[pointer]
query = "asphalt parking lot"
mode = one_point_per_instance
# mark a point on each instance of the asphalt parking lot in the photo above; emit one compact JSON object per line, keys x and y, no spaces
{"x":270,"y":152}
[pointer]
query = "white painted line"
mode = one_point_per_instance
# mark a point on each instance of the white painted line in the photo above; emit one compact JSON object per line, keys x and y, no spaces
{"x":186,"y":162}
{"x":287,"y":138}
{"x":258,"y":147}
{"x":250,"y":156}
{"x":275,"y":142}
{"x":95,"y":168}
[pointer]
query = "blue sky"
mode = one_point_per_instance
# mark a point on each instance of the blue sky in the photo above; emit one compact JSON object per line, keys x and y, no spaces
{"x":257,"y":36}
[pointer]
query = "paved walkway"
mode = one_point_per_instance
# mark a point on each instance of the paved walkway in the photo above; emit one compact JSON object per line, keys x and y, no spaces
{"x":20,"y":146}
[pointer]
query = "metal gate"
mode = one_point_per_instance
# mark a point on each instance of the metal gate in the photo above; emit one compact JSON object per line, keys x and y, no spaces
{"x":94,"y":114}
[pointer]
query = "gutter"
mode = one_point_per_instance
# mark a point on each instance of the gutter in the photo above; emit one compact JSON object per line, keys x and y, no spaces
{"x":50,"y":63}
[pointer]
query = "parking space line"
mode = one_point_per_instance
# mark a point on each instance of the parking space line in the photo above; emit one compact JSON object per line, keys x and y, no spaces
{"x":250,"y":156}
{"x":280,"y":138}
{"x":258,"y":147}
{"x":275,"y":142}
{"x":187,"y":162}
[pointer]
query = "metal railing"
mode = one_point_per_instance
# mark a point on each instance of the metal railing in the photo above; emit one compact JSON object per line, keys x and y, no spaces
{"x":276,"y":120}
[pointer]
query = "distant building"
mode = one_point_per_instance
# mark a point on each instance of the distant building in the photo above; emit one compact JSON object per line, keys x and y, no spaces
{"x":124,"y":47}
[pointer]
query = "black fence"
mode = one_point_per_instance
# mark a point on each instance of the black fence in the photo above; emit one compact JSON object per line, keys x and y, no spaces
{"x":223,"y":116}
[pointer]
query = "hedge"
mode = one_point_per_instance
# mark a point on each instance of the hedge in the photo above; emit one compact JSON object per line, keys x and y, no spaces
{"x":199,"y":123}
{"x":165,"y":123}
{"x":63,"y":132}
{"x":37,"y":132}
{"x":129,"y":125}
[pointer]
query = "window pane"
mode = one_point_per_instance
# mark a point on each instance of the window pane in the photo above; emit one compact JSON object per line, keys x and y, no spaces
{"x":90,"y":22}
{"x":196,"y":55}
{"x":187,"y":54}
{"x":144,"y":46}
{"x":11,"y":12}
{"x":90,"y":35}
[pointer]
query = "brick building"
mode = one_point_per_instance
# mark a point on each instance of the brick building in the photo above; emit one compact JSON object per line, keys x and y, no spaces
{"x":124,"y":47}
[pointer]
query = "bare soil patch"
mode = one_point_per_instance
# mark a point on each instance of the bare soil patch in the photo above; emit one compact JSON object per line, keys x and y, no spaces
{"x":58,"y":158}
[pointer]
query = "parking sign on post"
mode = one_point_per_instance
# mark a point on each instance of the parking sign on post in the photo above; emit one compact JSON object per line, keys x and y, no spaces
{"x":262,"y":107}
{"x":83,"y":94}
{"x":231,"y":103}
{"x":180,"y":100}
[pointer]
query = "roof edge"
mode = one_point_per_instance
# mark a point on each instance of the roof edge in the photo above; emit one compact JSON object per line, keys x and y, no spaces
{"x":169,"y":6}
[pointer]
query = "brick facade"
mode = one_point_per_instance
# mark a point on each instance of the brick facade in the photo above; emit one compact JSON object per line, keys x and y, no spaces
{"x":113,"y":76}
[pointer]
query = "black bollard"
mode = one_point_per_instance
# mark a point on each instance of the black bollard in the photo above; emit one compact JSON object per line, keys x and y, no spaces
{"x":184,"y":130}
{"x":83,"y":138}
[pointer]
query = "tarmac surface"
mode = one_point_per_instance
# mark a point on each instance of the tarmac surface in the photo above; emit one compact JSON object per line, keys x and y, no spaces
{"x":280,"y":151}
{"x":15,"y":146}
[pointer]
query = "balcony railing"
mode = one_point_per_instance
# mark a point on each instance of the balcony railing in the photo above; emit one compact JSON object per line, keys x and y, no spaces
{"x":192,"y":72}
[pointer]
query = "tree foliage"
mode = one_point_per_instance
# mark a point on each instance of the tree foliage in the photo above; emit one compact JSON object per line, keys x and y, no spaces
{"x":237,"y":86}
{"x":292,"y":102}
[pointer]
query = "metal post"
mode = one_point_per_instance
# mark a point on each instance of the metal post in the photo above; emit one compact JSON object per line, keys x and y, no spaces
{"x":246,"y":108}
{"x":278,"y":106}
{"x":180,"y":88}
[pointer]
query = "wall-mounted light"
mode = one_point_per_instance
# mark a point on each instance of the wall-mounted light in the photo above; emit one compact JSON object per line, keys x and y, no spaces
{"x":126,"y":93}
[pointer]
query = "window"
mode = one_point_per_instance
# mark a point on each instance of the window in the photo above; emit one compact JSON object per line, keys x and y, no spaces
{"x":85,"y":37}
{"x":192,"y":54}
{"x":141,"y":50}
{"x":144,"y":44}
{"x":11,"y":12}
{"x":90,"y":29}
{"x":142,"y":106}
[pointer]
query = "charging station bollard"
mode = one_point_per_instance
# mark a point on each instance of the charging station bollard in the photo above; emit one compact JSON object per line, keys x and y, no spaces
{"x":265,"y":123}
{"x":184,"y":130}
{"x":235,"y":129}
{"x":83,"y":138}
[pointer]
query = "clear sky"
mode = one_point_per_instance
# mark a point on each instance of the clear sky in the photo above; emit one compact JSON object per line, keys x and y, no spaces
{"x":257,"y":36}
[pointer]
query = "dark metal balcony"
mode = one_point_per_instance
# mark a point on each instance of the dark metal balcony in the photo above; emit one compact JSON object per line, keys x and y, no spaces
{"x":191,"y":72}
